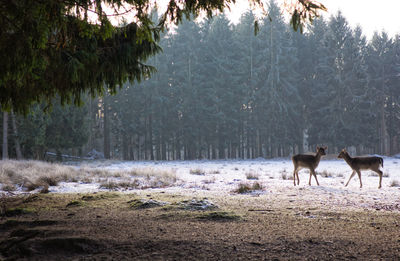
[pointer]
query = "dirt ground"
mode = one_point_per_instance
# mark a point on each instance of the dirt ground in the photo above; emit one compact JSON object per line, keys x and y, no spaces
{"x":114,"y":226}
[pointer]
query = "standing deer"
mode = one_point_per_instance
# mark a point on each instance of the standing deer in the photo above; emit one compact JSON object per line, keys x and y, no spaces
{"x":310,"y":162}
{"x":362,"y":163}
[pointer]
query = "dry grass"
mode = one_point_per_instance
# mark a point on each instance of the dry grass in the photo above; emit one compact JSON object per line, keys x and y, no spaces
{"x":34,"y":174}
{"x":122,"y":184}
{"x":244,"y":188}
{"x":197,"y":172}
{"x":209,"y":181}
{"x":326,"y":174}
{"x":31,"y":175}
{"x":284,"y":174}
{"x":374,"y":174}
{"x":252,"y":175}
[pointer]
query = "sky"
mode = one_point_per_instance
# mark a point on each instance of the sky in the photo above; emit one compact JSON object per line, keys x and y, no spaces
{"x":371,"y":15}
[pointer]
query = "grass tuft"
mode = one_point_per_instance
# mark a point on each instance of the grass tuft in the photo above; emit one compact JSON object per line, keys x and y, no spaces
{"x":326,"y":174}
{"x":122,"y":184}
{"x":395,"y":183}
{"x":10,"y":212}
{"x":197,"y":172}
{"x":252,"y":176}
{"x":244,"y":188}
{"x":220,"y":216}
{"x":284,"y":174}
{"x":8,"y":187}
{"x":143,"y":204}
{"x":75,"y":203}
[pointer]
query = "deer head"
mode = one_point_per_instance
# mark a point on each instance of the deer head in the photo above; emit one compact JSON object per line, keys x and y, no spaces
{"x":342,"y":154}
{"x":321,"y":150}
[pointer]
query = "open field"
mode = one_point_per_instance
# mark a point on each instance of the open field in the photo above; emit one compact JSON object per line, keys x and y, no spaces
{"x":195,"y":211}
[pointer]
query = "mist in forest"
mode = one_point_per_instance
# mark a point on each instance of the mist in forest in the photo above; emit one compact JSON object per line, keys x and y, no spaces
{"x":221,"y":92}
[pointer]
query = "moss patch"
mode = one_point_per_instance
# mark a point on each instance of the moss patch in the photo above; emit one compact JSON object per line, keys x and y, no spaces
{"x":75,"y":203}
{"x":10,"y":212}
{"x":220,"y":216}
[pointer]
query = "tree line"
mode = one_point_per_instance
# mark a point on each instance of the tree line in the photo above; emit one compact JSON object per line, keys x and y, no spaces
{"x":220,"y":91}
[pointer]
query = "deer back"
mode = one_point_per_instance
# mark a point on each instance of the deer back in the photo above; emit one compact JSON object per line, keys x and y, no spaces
{"x":366,"y":162}
{"x":304,"y":160}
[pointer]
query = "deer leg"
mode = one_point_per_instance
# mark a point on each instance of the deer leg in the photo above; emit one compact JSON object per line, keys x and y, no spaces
{"x":359,"y":176}
{"x":298,"y":180}
{"x":315,"y":176}
{"x":352,"y":175}
{"x":309,"y":181}
{"x":380,"y":173}
{"x":294,"y":176}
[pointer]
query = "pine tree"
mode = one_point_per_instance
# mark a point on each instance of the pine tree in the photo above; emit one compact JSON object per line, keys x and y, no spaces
{"x":379,"y":65}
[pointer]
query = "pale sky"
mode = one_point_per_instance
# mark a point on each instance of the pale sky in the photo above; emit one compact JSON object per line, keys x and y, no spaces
{"x":371,"y":15}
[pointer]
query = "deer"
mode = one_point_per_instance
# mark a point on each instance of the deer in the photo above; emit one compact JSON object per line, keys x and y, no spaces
{"x":301,"y":161}
{"x":362,"y":163}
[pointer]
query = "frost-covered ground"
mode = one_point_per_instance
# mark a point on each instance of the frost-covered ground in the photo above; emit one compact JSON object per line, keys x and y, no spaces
{"x":223,"y":177}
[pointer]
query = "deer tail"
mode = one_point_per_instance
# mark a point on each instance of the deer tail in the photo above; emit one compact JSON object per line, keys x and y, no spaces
{"x":381,"y":161}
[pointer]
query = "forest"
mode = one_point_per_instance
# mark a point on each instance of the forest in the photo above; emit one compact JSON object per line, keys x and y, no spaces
{"x":223,"y":92}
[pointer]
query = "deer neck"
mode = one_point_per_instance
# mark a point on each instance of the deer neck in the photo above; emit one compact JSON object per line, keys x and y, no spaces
{"x":347,"y":158}
{"x":317,"y":158}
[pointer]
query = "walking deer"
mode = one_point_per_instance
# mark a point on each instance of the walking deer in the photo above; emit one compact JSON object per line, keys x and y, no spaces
{"x":301,"y":161}
{"x":362,"y":163}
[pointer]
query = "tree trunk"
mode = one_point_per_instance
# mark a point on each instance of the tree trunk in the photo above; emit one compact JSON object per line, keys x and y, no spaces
{"x":16,"y":137}
{"x":106,"y":130}
{"x":5,"y":138}
{"x":383,"y":131}
{"x":125,"y":147}
{"x":150,"y":141}
{"x":163,"y":148}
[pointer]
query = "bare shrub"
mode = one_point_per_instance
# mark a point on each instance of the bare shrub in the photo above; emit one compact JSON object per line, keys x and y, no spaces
{"x":252,"y":176}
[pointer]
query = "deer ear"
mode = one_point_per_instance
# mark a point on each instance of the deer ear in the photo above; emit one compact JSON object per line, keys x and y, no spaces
{"x":326,"y":147}
{"x":317,"y":147}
